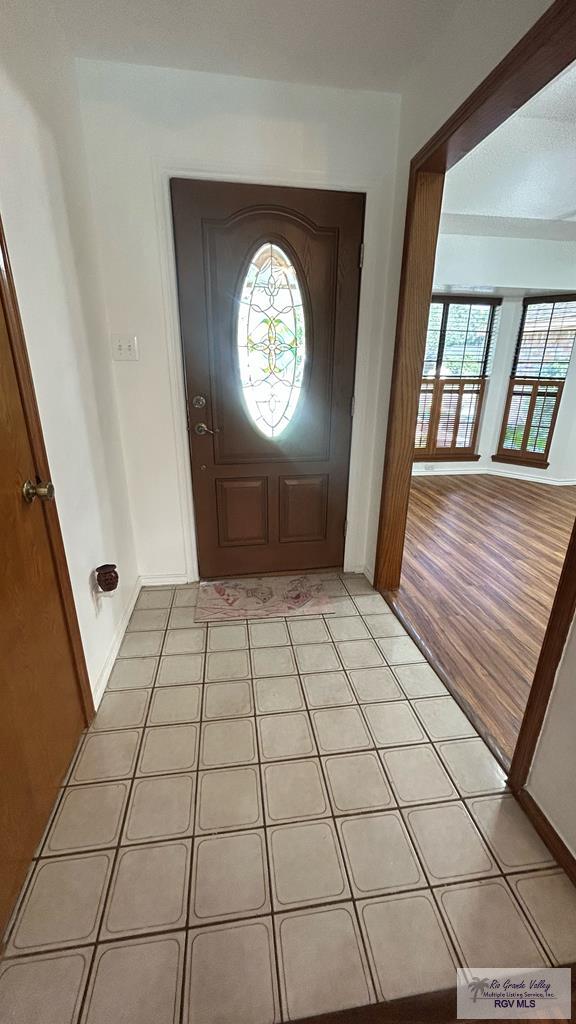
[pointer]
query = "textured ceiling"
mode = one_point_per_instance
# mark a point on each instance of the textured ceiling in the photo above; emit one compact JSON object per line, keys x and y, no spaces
{"x":368,"y":44}
{"x":526,"y":168}
{"x":557,"y":101}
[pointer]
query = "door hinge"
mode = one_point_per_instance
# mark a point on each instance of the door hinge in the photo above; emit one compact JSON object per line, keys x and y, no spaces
{"x":361,"y":259}
{"x":352,"y":405}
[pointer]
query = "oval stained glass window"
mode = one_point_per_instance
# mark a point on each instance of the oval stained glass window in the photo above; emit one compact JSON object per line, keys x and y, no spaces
{"x":271,"y":339}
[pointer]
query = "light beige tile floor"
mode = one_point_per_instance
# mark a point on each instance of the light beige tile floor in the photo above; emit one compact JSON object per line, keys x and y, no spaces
{"x":274,"y":819}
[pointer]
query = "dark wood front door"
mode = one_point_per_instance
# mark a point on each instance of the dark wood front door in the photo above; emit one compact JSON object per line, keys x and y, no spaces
{"x":268,"y":283}
{"x":42,"y":707}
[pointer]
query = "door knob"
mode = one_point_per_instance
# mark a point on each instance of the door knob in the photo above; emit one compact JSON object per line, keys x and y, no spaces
{"x":46,"y":492}
{"x":201,"y":429}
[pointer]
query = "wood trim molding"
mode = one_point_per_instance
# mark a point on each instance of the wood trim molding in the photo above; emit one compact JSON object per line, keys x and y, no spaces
{"x":542,"y":53}
{"x":536,"y":300}
{"x":519,"y":460}
{"x":551,"y":388}
{"x":475,"y":298}
{"x":561,"y":618}
{"x":25,"y":383}
{"x":548,"y":833}
{"x":422,"y":222}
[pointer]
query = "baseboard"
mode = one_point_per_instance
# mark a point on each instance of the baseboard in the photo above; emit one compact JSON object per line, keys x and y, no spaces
{"x":449,"y":469}
{"x":359,"y":570}
{"x":104,"y":674}
{"x":533,"y":478}
{"x":461,"y":469}
{"x":548,"y":833}
{"x":169,"y":579}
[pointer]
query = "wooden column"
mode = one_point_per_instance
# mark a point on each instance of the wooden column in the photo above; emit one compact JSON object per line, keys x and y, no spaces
{"x":422,"y":220}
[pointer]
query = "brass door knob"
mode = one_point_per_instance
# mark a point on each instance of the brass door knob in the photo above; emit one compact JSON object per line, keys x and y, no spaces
{"x":46,"y":492}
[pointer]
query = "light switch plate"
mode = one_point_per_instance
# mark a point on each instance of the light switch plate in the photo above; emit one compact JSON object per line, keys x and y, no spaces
{"x":124,"y":347}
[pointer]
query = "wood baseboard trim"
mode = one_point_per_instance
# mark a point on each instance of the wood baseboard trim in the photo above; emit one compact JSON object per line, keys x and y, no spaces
{"x":547,"y":833}
{"x":519,"y":461}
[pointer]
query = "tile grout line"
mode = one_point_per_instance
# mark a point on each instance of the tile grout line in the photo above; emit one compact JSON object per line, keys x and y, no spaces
{"x":270,"y":889}
{"x":540,"y":942}
{"x":66,"y":785}
{"x":333,"y":818}
{"x":187,"y":944}
{"x":431,"y":741}
{"x":32,"y":870}
{"x":118,"y":846}
{"x":348,"y":874}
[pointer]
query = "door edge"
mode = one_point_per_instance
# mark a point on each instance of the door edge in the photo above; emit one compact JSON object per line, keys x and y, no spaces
{"x":23,"y":372}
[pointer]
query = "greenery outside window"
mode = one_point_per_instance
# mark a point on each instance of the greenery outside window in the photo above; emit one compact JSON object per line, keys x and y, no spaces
{"x":543,"y":352}
{"x":457,"y":363}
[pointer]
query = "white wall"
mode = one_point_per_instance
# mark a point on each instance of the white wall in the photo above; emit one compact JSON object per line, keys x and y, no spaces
{"x":484,"y":261}
{"x":143,"y":125}
{"x":45,"y":210}
{"x":553,"y":773}
{"x":467,"y":263}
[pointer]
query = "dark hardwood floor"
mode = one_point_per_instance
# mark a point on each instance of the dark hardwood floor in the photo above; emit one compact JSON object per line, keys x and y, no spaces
{"x":482,"y":560}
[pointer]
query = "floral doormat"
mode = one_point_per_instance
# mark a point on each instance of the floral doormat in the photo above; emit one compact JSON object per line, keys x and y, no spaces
{"x":264,"y":597}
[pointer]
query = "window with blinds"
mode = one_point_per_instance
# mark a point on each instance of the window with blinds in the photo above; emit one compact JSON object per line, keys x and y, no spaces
{"x":543,"y":352}
{"x":456,"y":364}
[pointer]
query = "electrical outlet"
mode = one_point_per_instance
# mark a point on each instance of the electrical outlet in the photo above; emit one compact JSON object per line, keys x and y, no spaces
{"x":124,"y":347}
{"x":429,"y":467}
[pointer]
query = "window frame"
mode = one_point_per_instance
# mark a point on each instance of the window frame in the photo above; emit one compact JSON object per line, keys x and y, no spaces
{"x":437,"y":383}
{"x":521,"y":456}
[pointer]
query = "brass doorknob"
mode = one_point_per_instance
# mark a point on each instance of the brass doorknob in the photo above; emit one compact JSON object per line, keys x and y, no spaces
{"x":46,"y":492}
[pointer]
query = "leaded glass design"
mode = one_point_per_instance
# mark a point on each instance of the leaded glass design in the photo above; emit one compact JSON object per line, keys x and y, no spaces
{"x":271,"y":339}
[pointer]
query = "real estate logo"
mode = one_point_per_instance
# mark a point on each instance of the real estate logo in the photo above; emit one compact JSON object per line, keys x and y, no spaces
{"x":489,"y":993}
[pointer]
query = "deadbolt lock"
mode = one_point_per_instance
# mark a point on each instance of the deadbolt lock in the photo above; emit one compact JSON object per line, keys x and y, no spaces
{"x":198,"y":401}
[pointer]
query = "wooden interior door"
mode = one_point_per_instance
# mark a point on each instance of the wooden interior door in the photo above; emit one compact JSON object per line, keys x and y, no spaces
{"x":268,"y":284}
{"x":42,"y":705}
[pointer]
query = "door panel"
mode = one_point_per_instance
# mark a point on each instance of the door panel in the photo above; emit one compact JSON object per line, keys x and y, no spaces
{"x":41,"y":709}
{"x":268,"y":497}
{"x":242,"y":507}
{"x":303,"y":508}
